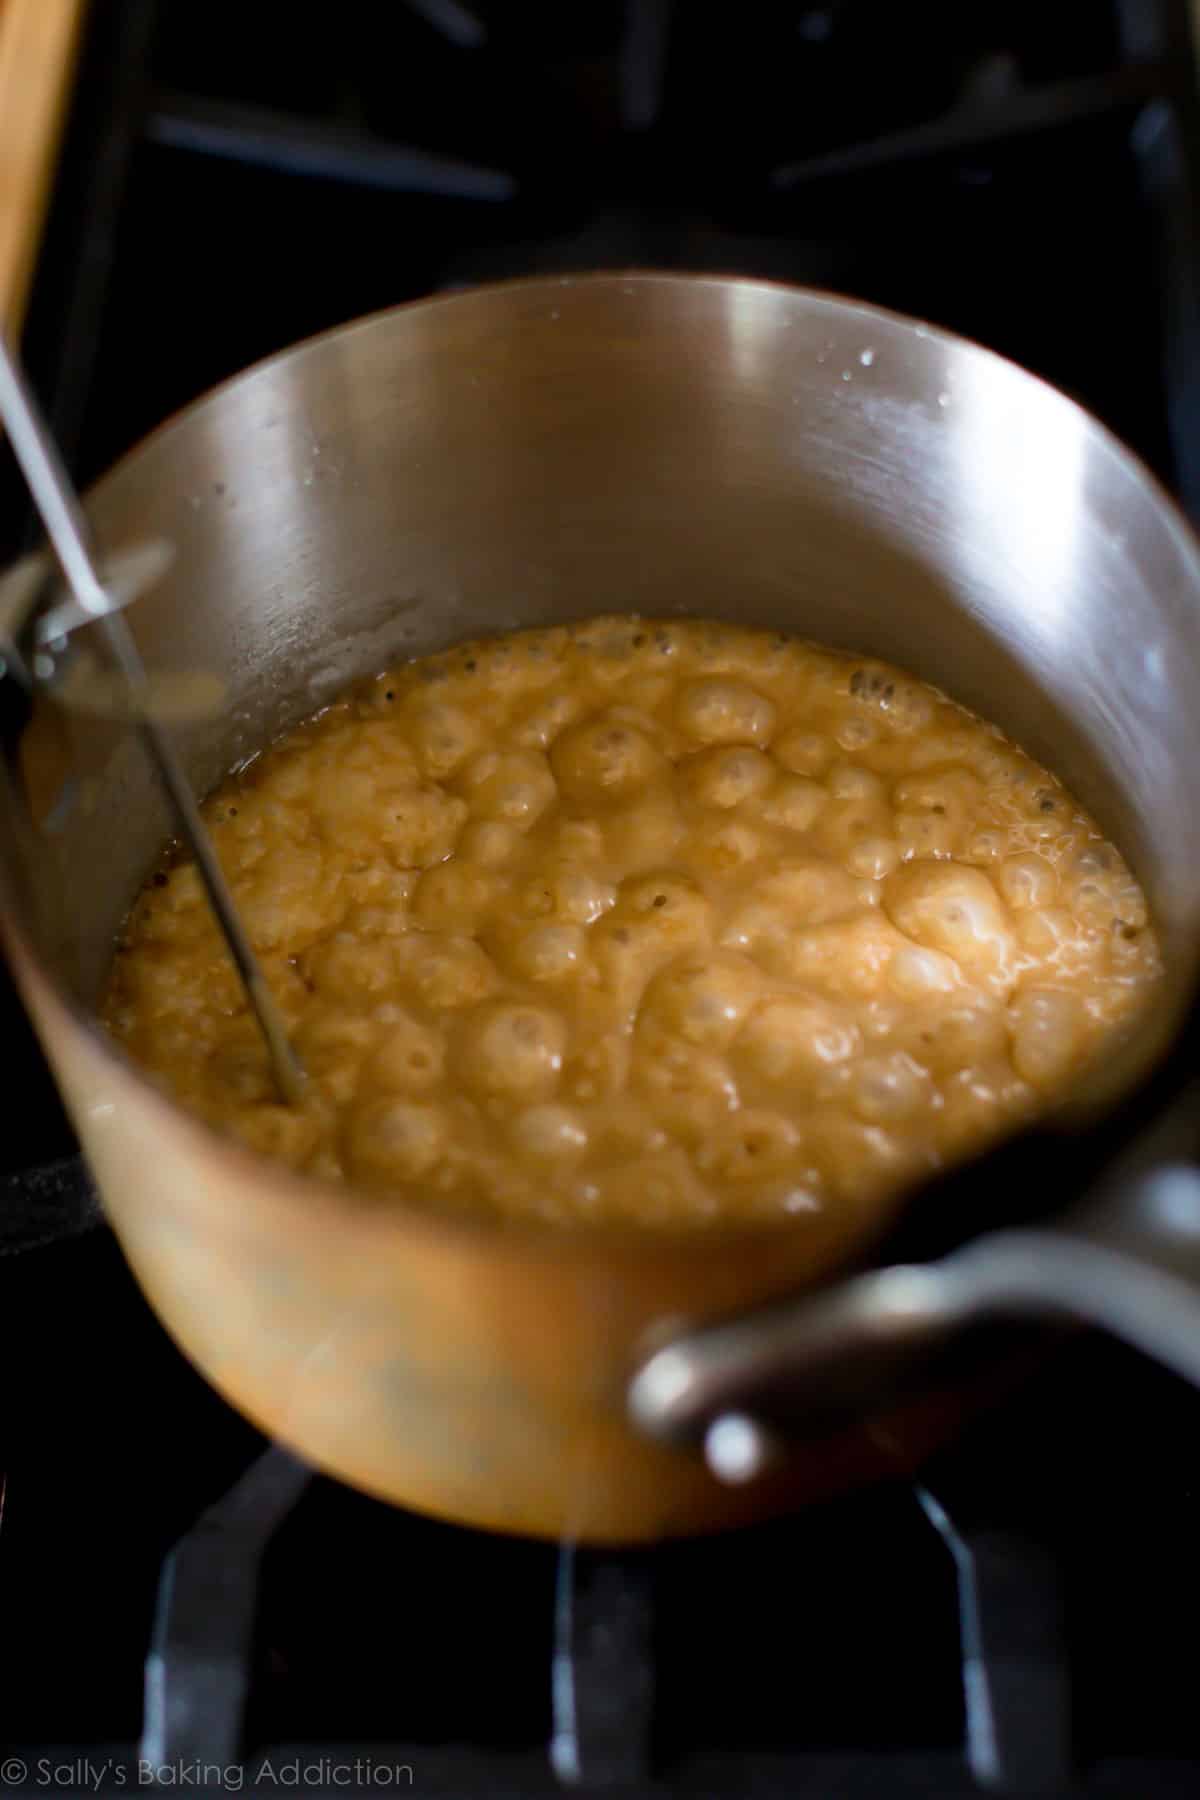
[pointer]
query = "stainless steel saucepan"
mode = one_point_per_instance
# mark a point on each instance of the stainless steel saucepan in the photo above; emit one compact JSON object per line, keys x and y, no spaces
{"x":547,"y":450}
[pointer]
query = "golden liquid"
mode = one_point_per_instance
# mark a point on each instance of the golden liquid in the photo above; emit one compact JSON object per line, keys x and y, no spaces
{"x":637,"y":921}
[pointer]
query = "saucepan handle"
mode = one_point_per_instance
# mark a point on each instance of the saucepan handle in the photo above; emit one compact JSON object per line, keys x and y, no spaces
{"x":1127,"y":1262}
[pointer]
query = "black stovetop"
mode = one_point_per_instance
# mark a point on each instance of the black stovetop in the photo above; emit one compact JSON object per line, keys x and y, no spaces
{"x":814,"y":1658}
{"x":234,"y":178}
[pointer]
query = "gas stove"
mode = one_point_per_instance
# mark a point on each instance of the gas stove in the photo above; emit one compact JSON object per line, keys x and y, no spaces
{"x":185,"y":1605}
